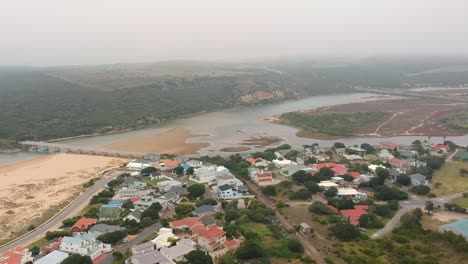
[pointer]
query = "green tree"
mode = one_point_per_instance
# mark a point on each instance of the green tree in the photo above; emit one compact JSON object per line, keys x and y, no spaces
{"x":249,"y":250}
{"x":117,"y":255}
{"x":35,"y":251}
{"x":434,"y":162}
{"x":190,"y":171}
{"x":332,"y":192}
{"x":184,"y":209}
{"x":421,"y":189}
{"x":77,"y":259}
{"x":301,"y":176}
{"x":179,"y":170}
{"x":269,"y":190}
{"x":196,"y":191}
{"x":319,"y":208}
{"x":345,"y":232}
{"x":198,"y":257}
{"x":295,"y":246}
{"x":152,"y":211}
{"x":301,"y":194}
{"x":148,"y":171}
{"x":403,"y":179}
{"x":206,"y":201}
{"x":429,"y":206}
{"x":112,"y":237}
{"x":339,"y":145}
{"x":146,"y":221}
{"x":228,"y":259}
{"x":364,"y":220}
{"x":312,"y":187}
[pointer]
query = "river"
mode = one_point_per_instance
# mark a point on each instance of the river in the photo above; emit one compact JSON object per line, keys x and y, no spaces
{"x":229,"y":127}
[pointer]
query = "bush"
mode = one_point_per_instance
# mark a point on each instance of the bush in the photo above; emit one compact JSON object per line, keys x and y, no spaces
{"x":77,"y":259}
{"x":196,"y":191}
{"x":54,"y":234}
{"x":184,"y":209}
{"x":112,"y":237}
{"x":319,"y":208}
{"x":269,"y":191}
{"x":403,"y":179}
{"x":345,"y":232}
{"x":249,"y":250}
{"x":207,"y":201}
{"x":295,"y":246}
{"x":70,"y":221}
{"x":301,"y":194}
{"x":421,"y":189}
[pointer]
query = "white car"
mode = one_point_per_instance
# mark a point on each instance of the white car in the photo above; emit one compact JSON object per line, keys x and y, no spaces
{"x":107,"y":250}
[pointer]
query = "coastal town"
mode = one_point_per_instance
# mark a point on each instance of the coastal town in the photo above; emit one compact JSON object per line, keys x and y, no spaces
{"x":273,"y":204}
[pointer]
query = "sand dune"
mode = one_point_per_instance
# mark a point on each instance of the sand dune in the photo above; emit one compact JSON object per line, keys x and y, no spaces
{"x":30,"y":188}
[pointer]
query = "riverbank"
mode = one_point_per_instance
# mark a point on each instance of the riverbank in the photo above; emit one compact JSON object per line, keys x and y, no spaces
{"x":32,"y":189}
{"x":173,"y":141}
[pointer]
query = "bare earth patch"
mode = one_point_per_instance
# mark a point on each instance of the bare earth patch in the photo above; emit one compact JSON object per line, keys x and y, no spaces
{"x":35,"y":188}
{"x":169,"y":142}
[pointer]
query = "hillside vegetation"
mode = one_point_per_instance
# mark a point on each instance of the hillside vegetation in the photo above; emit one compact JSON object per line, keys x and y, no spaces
{"x":46,"y":103}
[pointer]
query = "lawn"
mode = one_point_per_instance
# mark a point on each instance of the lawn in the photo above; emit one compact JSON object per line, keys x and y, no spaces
{"x":261,"y":229}
{"x":461,"y":201}
{"x":449,"y":176}
{"x":155,"y":181}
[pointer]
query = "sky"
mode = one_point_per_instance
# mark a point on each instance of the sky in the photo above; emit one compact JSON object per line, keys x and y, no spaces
{"x":71,"y":32}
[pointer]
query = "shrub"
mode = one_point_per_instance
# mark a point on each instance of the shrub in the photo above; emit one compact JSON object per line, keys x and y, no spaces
{"x":421,"y":189}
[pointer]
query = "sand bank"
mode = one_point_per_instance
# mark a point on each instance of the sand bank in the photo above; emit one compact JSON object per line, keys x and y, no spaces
{"x":30,"y":190}
{"x":169,"y":142}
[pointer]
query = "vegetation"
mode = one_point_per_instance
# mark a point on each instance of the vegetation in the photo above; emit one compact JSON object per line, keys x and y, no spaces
{"x":450,"y":179}
{"x":77,"y":259}
{"x":196,"y":191}
{"x":198,"y":257}
{"x":421,"y":189}
{"x":112,"y":237}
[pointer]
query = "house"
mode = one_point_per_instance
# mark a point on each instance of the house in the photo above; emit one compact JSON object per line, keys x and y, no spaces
{"x":134,"y":215}
{"x":327,"y":185}
{"x":54,"y":257}
{"x":318,"y":166}
{"x":282,"y":163}
{"x":213,"y":238}
{"x":337,"y":180}
{"x":205,"y":209}
{"x":374,"y":167}
{"x":295,"y":168}
{"x":168,"y":164}
{"x":385,"y":154}
{"x":139,"y":164}
{"x":19,"y":255}
{"x":263,"y":178}
{"x":230,"y":192}
{"x":257,"y":162}
{"x":164,"y":235}
{"x":128,"y":193}
{"x":207,"y":219}
{"x":339,"y":170}
{"x":146,"y":201}
{"x":155,"y":157}
{"x":389,"y":145}
{"x":459,"y":227}
{"x":304,"y":228}
{"x":399,"y":163}
{"x":371,"y":157}
{"x":166,"y":186}
{"x":208,"y":174}
{"x":177,"y":252}
{"x":392,"y":174}
{"x":109,"y":212}
{"x":101,"y":229}
{"x":405,"y":154}
{"x":132,"y":182}
{"x":368,"y":191}
{"x":51,"y":247}
{"x":353,"y":214}
{"x":83,"y":224}
{"x":185,"y":223}
{"x":441,"y":148}
{"x":357,"y":150}
{"x":194,"y":163}
{"x":321,"y":157}
{"x":170,"y":196}
{"x":354,"y":174}
{"x":150,"y":257}
{"x":351,"y":194}
{"x":418,"y":179}
{"x":142,"y":248}
{"x":83,"y":244}
{"x":228,"y":179}
{"x":352,"y":157}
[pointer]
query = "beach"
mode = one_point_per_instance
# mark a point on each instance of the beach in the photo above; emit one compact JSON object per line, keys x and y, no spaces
{"x":32,"y":191}
{"x":169,"y":142}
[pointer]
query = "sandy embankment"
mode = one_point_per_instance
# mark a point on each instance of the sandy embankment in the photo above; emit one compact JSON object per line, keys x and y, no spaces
{"x":169,"y":142}
{"x":30,"y":188}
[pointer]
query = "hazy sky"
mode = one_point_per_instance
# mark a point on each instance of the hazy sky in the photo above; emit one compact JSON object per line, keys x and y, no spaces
{"x":55,"y":32}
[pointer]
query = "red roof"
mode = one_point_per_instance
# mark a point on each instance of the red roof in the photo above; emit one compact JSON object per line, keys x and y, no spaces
{"x":213,"y":232}
{"x":231,"y":243}
{"x":354,"y":214}
{"x":264,"y":175}
{"x":265,"y":180}
{"x":354,"y":174}
{"x":188,"y":222}
{"x":171,"y":163}
{"x":332,"y":208}
{"x":10,"y":258}
{"x":339,"y":170}
{"x":51,"y":247}
{"x":398,"y":161}
{"x":84,"y":223}
{"x":440,"y":146}
{"x":199,"y":230}
{"x":134,"y":199}
{"x":252,"y":160}
{"x":389,"y":144}
{"x":318,"y":166}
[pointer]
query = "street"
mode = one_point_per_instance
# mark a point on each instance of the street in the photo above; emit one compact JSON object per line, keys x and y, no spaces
{"x":57,"y":219}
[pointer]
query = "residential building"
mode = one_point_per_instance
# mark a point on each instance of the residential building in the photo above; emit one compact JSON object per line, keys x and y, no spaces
{"x":441,"y":148}
{"x":134,"y":215}
{"x":406,"y":154}
{"x":132,"y":182}
{"x":389,"y":145}
{"x":263,"y":178}
{"x":150,"y":257}
{"x":459,"y":227}
{"x":385,"y":154}
{"x":19,"y":255}
{"x":54,"y":257}
{"x":230,"y":192}
{"x":351,"y":194}
{"x":304,"y":228}
{"x":142,"y":248}
{"x":228,"y":179}
{"x":321,"y":157}
{"x":166,"y":186}
{"x":205,"y":209}
{"x":212,"y":239}
{"x":353,"y":214}
{"x":139,"y":164}
{"x":327,"y":185}
{"x":352,"y":157}
{"x":257,"y":162}
{"x":399,"y":163}
{"x":168,"y":164}
{"x":283,"y":163}
{"x":207,"y":174}
{"x":418,"y":179}
{"x":164,"y":234}
{"x":101,"y":229}
{"x":83,"y":224}
{"x":295,"y":168}
{"x":146,"y":201}
{"x":127,"y":193}
{"x":177,"y":252}
{"x":83,"y":244}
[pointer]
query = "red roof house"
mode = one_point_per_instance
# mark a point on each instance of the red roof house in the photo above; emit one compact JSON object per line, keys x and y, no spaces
{"x":353,"y":214}
{"x":188,"y":222}
{"x":354,"y":174}
{"x":441,"y":147}
{"x":388,"y":145}
{"x":339,"y":170}
{"x":83,"y":225}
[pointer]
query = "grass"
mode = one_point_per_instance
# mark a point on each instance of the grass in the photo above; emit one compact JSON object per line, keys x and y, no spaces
{"x":371,"y":231}
{"x":155,"y":181}
{"x":260,"y":229}
{"x":40,"y":243}
{"x":461,"y":201}
{"x":449,"y":176}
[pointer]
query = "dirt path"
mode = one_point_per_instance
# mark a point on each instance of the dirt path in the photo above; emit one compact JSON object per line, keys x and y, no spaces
{"x":376,"y":132}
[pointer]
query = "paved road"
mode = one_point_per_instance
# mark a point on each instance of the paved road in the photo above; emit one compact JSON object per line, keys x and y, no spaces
{"x":40,"y":231}
{"x":135,"y":241}
{"x":308,"y":247}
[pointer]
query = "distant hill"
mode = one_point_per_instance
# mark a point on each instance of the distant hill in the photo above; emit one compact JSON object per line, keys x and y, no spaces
{"x":46,"y":103}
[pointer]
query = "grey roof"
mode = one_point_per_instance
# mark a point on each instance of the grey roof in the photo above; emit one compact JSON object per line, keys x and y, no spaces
{"x":176,"y":251}
{"x":77,"y":238}
{"x":418,"y":177}
{"x":170,"y":195}
{"x":103,"y":228}
{"x":393,"y":172}
{"x":204,"y":209}
{"x":207,"y":219}
{"x":150,"y":257}
{"x":178,"y":190}
{"x":143,"y":246}
{"x":54,"y":257}
{"x":136,"y":213}
{"x":224,"y":187}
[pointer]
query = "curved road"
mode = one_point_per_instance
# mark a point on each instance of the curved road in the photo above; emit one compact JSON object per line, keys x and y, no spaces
{"x":57,"y":219}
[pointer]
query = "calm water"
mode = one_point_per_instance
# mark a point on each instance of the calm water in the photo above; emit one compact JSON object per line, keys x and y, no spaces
{"x":9,"y":158}
{"x":229,"y":127}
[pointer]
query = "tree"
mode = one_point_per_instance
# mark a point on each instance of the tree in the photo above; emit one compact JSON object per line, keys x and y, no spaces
{"x":348,"y":178}
{"x":184,"y":209}
{"x":127,"y":204}
{"x":339,"y":145}
{"x":301,"y":176}
{"x":324,"y":174}
{"x":249,"y":250}
{"x":332,"y":192}
{"x":295,"y":246}
{"x":364,"y":220}
{"x":179,"y":170}
{"x":368,"y":148}
{"x":148,"y":171}
{"x":312,"y":186}
{"x":283,"y":147}
{"x":429,"y":206}
{"x":198,"y":257}
{"x":403,"y":179}
{"x":190,"y":171}
{"x":421,"y":189}
{"x":319,"y":208}
{"x":228,"y":259}
{"x":434,"y":162}
{"x":112,"y":237}
{"x":206,"y":201}
{"x":146,"y":221}
{"x":382,"y":174}
{"x":77,"y":259}
{"x":117,"y":255}
{"x":393,"y":205}
{"x":269,"y":191}
{"x":196,"y":191}
{"x":69,"y":221}
{"x":152,"y":211}
{"x":345,"y":232}
{"x":301,"y":194}
{"x":35,"y":251}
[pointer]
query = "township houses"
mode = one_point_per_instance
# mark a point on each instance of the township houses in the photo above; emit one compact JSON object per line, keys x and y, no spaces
{"x":389,"y":145}
{"x":353,"y":214}
{"x":139,"y":164}
{"x":83,"y":225}
{"x":83,"y":244}
{"x":207,"y":174}
{"x":209,"y":238}
{"x":19,"y":255}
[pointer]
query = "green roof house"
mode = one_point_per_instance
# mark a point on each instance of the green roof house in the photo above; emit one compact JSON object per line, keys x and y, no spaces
{"x":135,"y":215}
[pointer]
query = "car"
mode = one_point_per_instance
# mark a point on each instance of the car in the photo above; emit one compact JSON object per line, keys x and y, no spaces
{"x":125,"y":240}
{"x":107,"y":250}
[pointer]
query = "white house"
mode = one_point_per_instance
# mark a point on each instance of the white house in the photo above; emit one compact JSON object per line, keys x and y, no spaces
{"x":351,"y":193}
{"x":208,"y":174}
{"x":166,"y":186}
{"x":418,"y":179}
{"x":327,"y":185}
{"x":139,"y":164}
{"x":54,"y":257}
{"x":127,"y":193}
{"x":164,"y":235}
{"x":385,"y":154}
{"x":352,"y":157}
{"x":282,"y":163}
{"x":230,"y":192}
{"x":228,"y":179}
{"x":295,"y":168}
{"x":84,"y":244}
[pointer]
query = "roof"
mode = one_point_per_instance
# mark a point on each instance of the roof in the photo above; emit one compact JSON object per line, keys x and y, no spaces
{"x":207,"y":219}
{"x":333,"y":208}
{"x":170,"y":163}
{"x":143,"y":246}
{"x":189,"y":222}
{"x":54,"y":257}
{"x":418,"y":176}
{"x":396,"y":160}
{"x":347,"y":191}
{"x":103,"y":228}
{"x":389,"y":144}
{"x":84,"y":223}
{"x":354,"y":174}
{"x":10,"y":258}
{"x":205,"y":209}
{"x":252,"y":160}
{"x":323,"y":165}
{"x":231,"y":243}
{"x":178,"y":250}
{"x":339,"y":170}
{"x":354,"y":214}
{"x":134,"y":199}
{"x":76,"y":239}
{"x":153,"y":256}
{"x":213,"y":232}
{"x":440,"y":147}
{"x":136,"y":213}
{"x":224,"y":187}
{"x":264,"y":175}
{"x":461,"y":226}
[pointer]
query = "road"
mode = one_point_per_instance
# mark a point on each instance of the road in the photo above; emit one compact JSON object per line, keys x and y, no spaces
{"x":308,"y":247}
{"x":413,"y":203}
{"x":135,"y":241}
{"x":57,"y":219}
